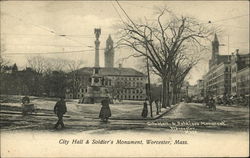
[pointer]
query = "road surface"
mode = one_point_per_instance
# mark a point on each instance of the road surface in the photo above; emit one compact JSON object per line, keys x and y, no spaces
{"x":184,"y":117}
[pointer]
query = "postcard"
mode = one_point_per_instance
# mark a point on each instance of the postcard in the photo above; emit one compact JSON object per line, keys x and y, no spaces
{"x":124,"y":78}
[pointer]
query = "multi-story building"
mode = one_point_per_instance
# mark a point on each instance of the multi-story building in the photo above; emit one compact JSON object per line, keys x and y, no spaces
{"x":234,"y":69}
{"x":122,"y":83}
{"x":228,"y":74}
{"x":205,"y":83}
{"x":218,"y":78}
{"x":200,"y":87}
{"x":243,"y":79}
{"x":240,"y":73}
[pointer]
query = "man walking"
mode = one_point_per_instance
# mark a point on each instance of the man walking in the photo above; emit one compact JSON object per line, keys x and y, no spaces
{"x":60,"y":109}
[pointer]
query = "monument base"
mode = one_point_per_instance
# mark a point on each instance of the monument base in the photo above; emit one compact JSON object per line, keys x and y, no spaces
{"x":92,"y":100}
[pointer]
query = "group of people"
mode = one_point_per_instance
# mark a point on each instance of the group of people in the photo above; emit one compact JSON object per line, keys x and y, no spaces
{"x":210,"y":102}
{"x":228,"y":100}
{"x":144,"y":113}
{"x":235,"y":99}
{"x":60,"y":109}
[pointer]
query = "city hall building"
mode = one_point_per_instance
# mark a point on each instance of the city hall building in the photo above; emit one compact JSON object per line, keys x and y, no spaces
{"x":92,"y":84}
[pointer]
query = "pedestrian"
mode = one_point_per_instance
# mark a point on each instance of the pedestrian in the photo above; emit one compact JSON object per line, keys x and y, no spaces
{"x":157,"y":106}
{"x":105,"y":111}
{"x":212,"y":105}
{"x":60,"y":109}
{"x":144,"y":113}
{"x":206,"y":100}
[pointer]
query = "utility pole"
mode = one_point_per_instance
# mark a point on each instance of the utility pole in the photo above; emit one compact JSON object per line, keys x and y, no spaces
{"x":149,"y":88}
{"x":228,"y":47}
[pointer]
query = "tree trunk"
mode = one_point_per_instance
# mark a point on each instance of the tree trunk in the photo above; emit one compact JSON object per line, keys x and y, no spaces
{"x":174,"y":96}
{"x":168,"y":95}
{"x":164,"y":92}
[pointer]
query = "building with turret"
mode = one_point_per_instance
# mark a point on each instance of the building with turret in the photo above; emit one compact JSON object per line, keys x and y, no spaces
{"x":228,"y":74}
{"x":219,"y":76}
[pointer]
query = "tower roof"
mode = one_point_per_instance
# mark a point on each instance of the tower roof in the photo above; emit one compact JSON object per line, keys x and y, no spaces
{"x":109,"y":38}
{"x":215,"y":38}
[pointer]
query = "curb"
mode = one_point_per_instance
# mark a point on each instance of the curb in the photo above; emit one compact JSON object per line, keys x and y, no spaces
{"x":168,"y":110}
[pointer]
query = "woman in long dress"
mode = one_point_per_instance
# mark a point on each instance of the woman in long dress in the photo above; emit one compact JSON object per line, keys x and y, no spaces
{"x":105,"y":112}
{"x":144,"y":113}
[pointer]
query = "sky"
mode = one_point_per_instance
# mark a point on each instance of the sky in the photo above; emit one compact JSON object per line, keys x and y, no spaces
{"x":68,"y":26}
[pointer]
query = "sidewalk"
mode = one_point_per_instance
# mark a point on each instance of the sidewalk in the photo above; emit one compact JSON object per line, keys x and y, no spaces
{"x":139,"y":117}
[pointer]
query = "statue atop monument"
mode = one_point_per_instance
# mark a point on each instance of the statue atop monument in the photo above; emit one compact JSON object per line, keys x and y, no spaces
{"x":97,"y":33}
{"x":97,"y":44}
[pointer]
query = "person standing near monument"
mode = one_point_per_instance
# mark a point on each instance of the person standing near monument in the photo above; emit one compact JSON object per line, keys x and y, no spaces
{"x":105,"y":111}
{"x":144,"y":113}
{"x":60,"y":109}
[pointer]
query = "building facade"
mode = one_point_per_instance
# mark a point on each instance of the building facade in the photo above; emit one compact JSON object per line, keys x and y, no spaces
{"x":240,"y":74}
{"x":228,"y":74}
{"x":121,"y":83}
{"x":218,"y":78}
{"x":243,"y":80}
{"x":200,"y":89}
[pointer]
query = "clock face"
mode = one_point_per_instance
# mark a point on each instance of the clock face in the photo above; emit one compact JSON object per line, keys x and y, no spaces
{"x":96,"y":80}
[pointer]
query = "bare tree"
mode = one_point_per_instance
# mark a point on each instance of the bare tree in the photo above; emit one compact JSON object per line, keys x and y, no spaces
{"x":163,"y":40}
{"x":4,"y":64}
{"x":38,"y":64}
{"x":73,"y":65}
{"x":73,"y":68}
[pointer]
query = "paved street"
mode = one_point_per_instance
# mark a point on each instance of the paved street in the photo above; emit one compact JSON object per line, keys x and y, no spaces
{"x":84,"y":117}
{"x":225,"y":117}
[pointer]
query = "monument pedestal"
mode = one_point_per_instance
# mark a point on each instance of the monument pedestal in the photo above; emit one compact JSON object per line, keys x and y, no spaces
{"x":95,"y":94}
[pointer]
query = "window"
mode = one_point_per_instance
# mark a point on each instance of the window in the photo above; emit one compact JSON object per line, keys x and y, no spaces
{"x":226,"y":69}
{"x":96,"y":71}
